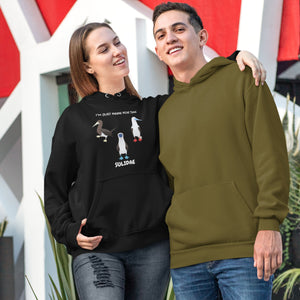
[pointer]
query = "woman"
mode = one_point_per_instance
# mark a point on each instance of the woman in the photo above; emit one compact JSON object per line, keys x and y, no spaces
{"x":106,"y":194}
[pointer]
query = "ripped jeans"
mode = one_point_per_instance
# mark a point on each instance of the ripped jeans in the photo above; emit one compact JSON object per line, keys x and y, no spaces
{"x":140,"y":274}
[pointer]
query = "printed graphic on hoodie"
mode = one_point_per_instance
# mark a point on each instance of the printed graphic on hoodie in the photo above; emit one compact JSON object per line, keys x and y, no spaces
{"x":122,"y":148}
{"x":102,"y":132}
{"x":136,"y":129}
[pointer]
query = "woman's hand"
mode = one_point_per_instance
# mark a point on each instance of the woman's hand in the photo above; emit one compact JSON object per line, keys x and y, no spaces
{"x":258,"y":71}
{"x":85,"y":242}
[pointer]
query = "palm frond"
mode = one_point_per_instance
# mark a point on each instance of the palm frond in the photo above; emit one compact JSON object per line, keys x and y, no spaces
{"x":287,"y":279}
{"x":35,"y":296}
{"x":170,"y":292}
{"x":58,"y":295}
{"x":3,"y":225}
{"x":63,"y":263}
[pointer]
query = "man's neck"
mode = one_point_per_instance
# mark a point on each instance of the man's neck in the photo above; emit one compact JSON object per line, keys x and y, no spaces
{"x":186,"y":73}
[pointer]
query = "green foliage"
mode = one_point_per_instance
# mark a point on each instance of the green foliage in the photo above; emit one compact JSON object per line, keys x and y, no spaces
{"x":287,"y":279}
{"x":63,"y":263}
{"x":170,"y":292}
{"x":35,"y":296}
{"x":293,"y":218}
{"x":290,"y":277}
{"x":3,"y":225}
{"x":63,"y":260}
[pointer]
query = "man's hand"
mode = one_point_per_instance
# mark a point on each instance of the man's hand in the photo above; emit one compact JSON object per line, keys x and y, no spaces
{"x":85,"y":242}
{"x":267,"y":253}
{"x":258,"y":71}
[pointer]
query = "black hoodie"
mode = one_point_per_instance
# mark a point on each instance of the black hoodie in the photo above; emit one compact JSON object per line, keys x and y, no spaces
{"x":104,"y":167}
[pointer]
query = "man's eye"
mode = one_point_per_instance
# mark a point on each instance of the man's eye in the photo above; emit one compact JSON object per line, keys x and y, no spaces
{"x":118,"y":43}
{"x":160,"y":36}
{"x":179,"y":29}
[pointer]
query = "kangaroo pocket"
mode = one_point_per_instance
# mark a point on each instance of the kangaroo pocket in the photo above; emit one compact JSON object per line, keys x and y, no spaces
{"x":211,"y":214}
{"x":128,"y":204}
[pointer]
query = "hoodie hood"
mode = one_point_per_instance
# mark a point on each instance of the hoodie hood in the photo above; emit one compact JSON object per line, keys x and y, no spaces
{"x":122,"y":96}
{"x":205,"y":72}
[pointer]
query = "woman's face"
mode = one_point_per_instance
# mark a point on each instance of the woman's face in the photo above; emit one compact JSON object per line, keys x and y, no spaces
{"x":108,"y":60}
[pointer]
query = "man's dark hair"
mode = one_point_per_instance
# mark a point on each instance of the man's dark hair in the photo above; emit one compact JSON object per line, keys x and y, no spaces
{"x":194,"y":19}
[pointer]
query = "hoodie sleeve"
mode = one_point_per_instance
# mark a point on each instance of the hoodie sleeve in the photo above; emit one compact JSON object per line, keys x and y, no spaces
{"x":60,"y":174}
{"x":269,"y":153}
{"x":234,"y":55}
{"x":159,"y":100}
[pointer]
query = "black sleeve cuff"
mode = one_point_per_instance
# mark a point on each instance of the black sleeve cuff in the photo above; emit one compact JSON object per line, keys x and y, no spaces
{"x":234,"y":55}
{"x":71,"y":234}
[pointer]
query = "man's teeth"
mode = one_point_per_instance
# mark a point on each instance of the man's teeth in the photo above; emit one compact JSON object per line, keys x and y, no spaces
{"x":120,"y":62}
{"x":173,"y":50}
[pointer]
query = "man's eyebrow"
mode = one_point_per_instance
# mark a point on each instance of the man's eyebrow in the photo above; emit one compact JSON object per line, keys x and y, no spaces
{"x":157,"y":31}
{"x":178,"y":23}
{"x":172,"y":26}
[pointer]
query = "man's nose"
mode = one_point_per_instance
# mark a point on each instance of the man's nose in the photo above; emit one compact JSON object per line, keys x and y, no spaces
{"x":171,"y":37}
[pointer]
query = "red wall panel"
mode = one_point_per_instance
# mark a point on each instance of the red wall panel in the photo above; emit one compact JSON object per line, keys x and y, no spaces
{"x":9,"y":60}
{"x":54,"y":11}
{"x":289,"y":44}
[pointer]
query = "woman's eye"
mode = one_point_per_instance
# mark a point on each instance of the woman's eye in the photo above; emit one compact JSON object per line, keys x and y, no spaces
{"x":118,"y":43}
{"x":103,"y":50}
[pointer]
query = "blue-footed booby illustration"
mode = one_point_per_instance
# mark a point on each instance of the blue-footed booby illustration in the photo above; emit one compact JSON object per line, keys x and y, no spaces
{"x":122,"y":146}
{"x":102,"y":132}
{"x":136,"y":130}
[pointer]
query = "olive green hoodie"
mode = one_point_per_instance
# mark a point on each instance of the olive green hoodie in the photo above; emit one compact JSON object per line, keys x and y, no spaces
{"x":223,"y":145}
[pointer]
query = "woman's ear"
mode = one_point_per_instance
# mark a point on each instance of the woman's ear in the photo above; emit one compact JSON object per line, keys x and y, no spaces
{"x":203,"y":37}
{"x":88,"y":68}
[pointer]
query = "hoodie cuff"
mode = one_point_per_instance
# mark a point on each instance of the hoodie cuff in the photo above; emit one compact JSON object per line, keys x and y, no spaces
{"x":72,"y":231}
{"x":233,"y":55}
{"x":268,"y":224}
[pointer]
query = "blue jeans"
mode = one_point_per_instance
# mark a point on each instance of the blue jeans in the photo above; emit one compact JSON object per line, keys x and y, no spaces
{"x":137,"y":274}
{"x":235,"y":278}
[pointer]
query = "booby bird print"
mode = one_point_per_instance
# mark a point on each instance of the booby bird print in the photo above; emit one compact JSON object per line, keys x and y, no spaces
{"x":122,"y":147}
{"x":135,"y":129}
{"x":102,"y":132}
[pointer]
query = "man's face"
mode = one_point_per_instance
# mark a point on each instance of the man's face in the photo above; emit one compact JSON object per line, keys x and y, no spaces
{"x":177,"y":43}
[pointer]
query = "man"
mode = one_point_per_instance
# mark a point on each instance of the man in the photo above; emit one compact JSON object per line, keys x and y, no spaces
{"x":223,"y":146}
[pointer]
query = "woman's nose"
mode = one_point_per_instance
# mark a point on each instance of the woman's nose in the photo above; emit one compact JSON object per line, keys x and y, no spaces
{"x":116,"y":51}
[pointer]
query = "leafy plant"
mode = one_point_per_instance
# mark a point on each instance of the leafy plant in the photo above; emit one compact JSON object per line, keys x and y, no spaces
{"x":63,"y":261}
{"x":170,"y":292}
{"x":3,"y":225}
{"x":287,"y":279}
{"x":35,"y":296}
{"x":293,"y":218}
{"x":290,"y":277}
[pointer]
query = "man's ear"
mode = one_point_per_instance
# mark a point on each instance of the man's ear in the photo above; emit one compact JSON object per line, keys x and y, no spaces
{"x":157,"y":53}
{"x":88,"y":68}
{"x":203,"y":37}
